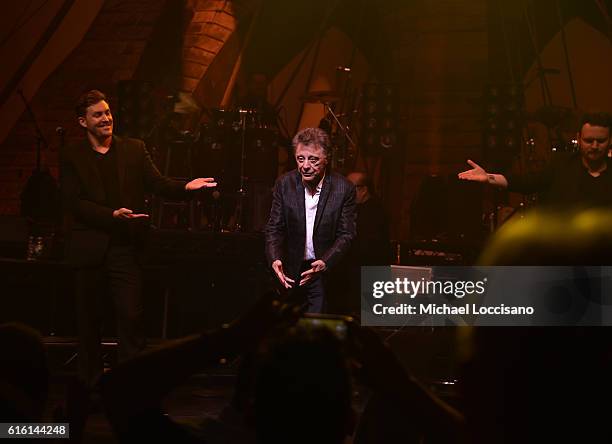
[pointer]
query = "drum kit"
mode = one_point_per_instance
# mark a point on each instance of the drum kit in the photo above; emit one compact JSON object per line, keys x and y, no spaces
{"x":561,"y":124}
{"x":239,"y":147}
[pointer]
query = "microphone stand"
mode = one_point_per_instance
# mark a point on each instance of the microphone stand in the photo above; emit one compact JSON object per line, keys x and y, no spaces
{"x":345,"y":132}
{"x":240,"y":205}
{"x":40,"y":201}
{"x":39,"y":135}
{"x":342,"y":127}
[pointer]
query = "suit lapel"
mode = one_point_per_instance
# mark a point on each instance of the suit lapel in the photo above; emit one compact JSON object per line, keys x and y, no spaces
{"x":325,"y":190}
{"x":301,"y":202}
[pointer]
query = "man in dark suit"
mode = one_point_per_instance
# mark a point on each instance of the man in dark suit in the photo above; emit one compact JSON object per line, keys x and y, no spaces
{"x":103,"y":181}
{"x":312,"y":220}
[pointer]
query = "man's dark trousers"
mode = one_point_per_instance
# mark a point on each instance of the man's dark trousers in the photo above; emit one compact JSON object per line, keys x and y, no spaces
{"x":121,"y":272}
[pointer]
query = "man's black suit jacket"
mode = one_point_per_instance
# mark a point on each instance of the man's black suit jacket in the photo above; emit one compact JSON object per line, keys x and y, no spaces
{"x":89,"y":221}
{"x":334,"y":226}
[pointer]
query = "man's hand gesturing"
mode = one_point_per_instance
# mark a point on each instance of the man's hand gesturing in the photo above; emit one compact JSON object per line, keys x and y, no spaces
{"x":317,"y":266}
{"x":126,"y":213}
{"x":277,"y":266}
{"x":476,"y":174}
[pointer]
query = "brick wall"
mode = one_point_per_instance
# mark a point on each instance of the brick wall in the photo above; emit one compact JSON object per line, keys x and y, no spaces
{"x":211,"y":25}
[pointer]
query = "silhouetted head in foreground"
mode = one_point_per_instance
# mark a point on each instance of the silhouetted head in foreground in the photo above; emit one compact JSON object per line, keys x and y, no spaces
{"x":542,"y":384}
{"x":303,"y":390}
{"x":24,"y":375}
{"x":553,"y":238}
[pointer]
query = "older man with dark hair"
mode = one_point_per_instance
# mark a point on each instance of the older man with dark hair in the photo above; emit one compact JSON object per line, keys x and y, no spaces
{"x":571,"y":181}
{"x":312,"y":220}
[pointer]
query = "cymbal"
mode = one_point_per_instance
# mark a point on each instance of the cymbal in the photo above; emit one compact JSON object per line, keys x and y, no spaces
{"x":186,"y":104}
{"x":320,"y":97}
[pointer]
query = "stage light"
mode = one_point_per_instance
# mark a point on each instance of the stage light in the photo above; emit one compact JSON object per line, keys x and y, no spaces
{"x":379,"y":117}
{"x":502,"y":110}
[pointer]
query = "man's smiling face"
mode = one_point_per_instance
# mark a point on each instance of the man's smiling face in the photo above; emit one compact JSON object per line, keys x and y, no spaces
{"x":98,"y":120}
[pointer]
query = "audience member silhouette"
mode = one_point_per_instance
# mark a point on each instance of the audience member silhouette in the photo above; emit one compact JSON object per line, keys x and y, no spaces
{"x":24,"y":374}
{"x":298,"y":388}
{"x":542,"y":384}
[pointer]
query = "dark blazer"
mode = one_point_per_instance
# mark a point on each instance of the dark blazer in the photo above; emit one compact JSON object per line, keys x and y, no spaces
{"x":89,"y":223}
{"x":334,"y":226}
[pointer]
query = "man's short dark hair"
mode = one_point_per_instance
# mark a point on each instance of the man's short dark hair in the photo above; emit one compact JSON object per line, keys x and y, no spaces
{"x":86,"y":100}
{"x":596,"y":119}
{"x":313,"y":136}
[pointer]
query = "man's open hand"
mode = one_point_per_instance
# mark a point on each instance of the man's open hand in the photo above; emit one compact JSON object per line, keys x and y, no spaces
{"x":126,"y":213}
{"x":201,"y":182}
{"x":277,"y":266}
{"x":476,"y":174}
{"x":317,"y":266}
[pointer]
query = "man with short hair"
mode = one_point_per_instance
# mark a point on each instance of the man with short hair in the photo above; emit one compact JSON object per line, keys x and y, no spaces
{"x":312,"y":220}
{"x":104,"y":179}
{"x":571,"y":181}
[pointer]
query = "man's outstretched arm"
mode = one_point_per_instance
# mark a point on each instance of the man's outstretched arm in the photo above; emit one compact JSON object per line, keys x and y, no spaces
{"x":478,"y":174}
